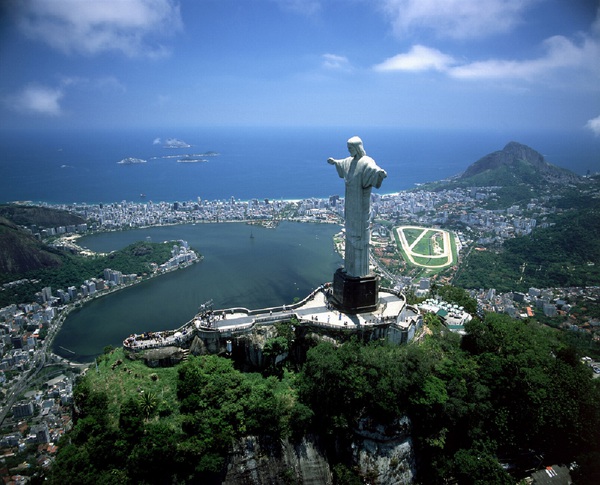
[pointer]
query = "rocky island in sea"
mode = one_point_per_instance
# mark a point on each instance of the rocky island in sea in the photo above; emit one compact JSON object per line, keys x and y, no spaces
{"x":131,"y":161}
{"x":175,"y":143}
{"x":191,"y":160}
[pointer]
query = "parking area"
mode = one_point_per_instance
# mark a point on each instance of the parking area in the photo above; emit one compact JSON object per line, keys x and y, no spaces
{"x":595,"y":365}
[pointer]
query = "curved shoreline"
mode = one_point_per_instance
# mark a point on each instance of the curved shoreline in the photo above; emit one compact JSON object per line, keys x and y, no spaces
{"x":67,"y":309}
{"x":88,"y":353}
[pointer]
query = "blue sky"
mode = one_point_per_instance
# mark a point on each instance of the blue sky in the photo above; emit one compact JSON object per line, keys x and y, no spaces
{"x":440,"y":64}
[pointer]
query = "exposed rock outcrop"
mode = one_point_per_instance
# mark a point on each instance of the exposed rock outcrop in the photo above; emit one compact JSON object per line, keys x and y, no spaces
{"x":255,"y":463}
{"x":252,"y":344}
{"x":162,"y":357}
{"x":198,"y":347}
{"x":384,"y":454}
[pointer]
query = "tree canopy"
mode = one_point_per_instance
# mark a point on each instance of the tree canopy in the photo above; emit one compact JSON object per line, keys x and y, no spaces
{"x":505,"y":394}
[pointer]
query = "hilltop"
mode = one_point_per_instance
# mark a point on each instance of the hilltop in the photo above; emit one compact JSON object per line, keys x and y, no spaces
{"x":513,"y":165}
{"x":30,"y":215}
{"x":20,"y":252}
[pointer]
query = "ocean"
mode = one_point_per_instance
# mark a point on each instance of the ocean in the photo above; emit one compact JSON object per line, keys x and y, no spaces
{"x":274,"y":163}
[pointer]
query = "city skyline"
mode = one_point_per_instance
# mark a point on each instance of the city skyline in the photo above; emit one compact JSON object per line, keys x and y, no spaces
{"x":492,"y":65}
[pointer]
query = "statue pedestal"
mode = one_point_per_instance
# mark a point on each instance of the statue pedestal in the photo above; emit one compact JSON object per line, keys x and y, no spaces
{"x":355,"y":294}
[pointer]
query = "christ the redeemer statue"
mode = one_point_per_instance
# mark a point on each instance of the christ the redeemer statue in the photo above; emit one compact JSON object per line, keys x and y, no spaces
{"x":360,"y":173}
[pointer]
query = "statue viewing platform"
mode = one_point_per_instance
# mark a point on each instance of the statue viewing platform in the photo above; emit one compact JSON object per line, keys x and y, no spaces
{"x":392,"y":319}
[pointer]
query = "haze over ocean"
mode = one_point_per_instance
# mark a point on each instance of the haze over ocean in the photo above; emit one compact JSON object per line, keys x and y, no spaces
{"x":274,"y":163}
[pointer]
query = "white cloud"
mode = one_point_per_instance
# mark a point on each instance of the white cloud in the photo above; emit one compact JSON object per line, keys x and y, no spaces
{"x":576,"y":56}
{"x":560,"y":53}
{"x":37,"y":99}
{"x":461,"y":19}
{"x":419,"y":58}
{"x":594,"y":125}
{"x":131,"y":27}
{"x":304,"y":7}
{"x":333,"y":61}
{"x":105,"y":84}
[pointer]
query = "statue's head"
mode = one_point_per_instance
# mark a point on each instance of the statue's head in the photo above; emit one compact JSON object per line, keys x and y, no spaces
{"x":355,"y":146}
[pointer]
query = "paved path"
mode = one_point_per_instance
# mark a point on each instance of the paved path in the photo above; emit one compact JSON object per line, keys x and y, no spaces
{"x":317,"y":310}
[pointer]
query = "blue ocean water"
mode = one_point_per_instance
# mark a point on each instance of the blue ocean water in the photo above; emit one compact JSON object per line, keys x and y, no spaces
{"x":274,"y":163}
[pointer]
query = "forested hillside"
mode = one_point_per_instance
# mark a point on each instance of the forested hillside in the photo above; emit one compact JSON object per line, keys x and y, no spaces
{"x":565,"y":254}
{"x":75,"y":269}
{"x":31,"y":215}
{"x":20,"y":252}
{"x":511,"y":395}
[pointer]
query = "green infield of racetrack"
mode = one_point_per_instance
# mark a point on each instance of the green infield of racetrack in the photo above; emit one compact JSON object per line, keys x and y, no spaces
{"x":425,"y":247}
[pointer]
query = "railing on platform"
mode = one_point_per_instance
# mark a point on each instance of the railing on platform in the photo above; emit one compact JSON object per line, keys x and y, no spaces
{"x":274,"y":314}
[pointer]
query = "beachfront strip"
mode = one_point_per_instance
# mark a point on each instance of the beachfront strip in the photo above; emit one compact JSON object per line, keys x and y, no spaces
{"x":393,"y":319}
{"x":422,"y":207}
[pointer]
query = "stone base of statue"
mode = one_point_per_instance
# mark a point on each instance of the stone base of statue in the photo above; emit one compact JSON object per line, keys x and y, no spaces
{"x":355,"y":294}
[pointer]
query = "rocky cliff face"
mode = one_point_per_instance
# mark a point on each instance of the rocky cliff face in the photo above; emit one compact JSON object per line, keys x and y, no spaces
{"x":256,"y":463}
{"x":383,"y":455}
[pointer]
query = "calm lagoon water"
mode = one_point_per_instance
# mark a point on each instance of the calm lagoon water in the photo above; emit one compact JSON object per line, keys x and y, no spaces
{"x":272,"y":268}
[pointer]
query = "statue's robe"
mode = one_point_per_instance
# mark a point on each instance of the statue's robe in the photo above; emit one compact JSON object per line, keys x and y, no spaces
{"x":360,"y":175}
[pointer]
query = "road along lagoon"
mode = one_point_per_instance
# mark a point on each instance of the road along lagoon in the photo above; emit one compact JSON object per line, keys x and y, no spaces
{"x":273,"y":267}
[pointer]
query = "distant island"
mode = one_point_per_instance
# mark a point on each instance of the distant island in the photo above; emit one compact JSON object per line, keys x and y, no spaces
{"x":175,"y":143}
{"x":191,"y":160}
{"x":131,"y":161}
{"x":190,"y":157}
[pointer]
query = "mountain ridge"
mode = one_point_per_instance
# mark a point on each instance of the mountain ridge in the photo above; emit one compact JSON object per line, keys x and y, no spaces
{"x":515,"y":164}
{"x":21,"y":252}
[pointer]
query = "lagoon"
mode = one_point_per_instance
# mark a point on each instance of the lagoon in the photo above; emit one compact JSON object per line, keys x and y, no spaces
{"x":272,"y":268}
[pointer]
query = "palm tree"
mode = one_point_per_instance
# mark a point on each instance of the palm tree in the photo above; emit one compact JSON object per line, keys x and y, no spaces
{"x":148,"y":403}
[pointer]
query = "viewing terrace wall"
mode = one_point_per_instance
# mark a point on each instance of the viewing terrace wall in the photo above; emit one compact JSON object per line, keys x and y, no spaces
{"x":394,"y":320}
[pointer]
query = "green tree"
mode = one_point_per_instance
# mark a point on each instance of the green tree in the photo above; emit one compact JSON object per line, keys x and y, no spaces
{"x":148,"y":403}
{"x":131,"y":422}
{"x":220,"y":404}
{"x":458,"y":296}
{"x":476,"y":467}
{"x":273,"y":348}
{"x":155,"y":459}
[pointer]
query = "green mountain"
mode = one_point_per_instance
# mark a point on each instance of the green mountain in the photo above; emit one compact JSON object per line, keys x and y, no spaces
{"x":515,"y":164}
{"x":20,"y":252}
{"x":30,"y":215}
